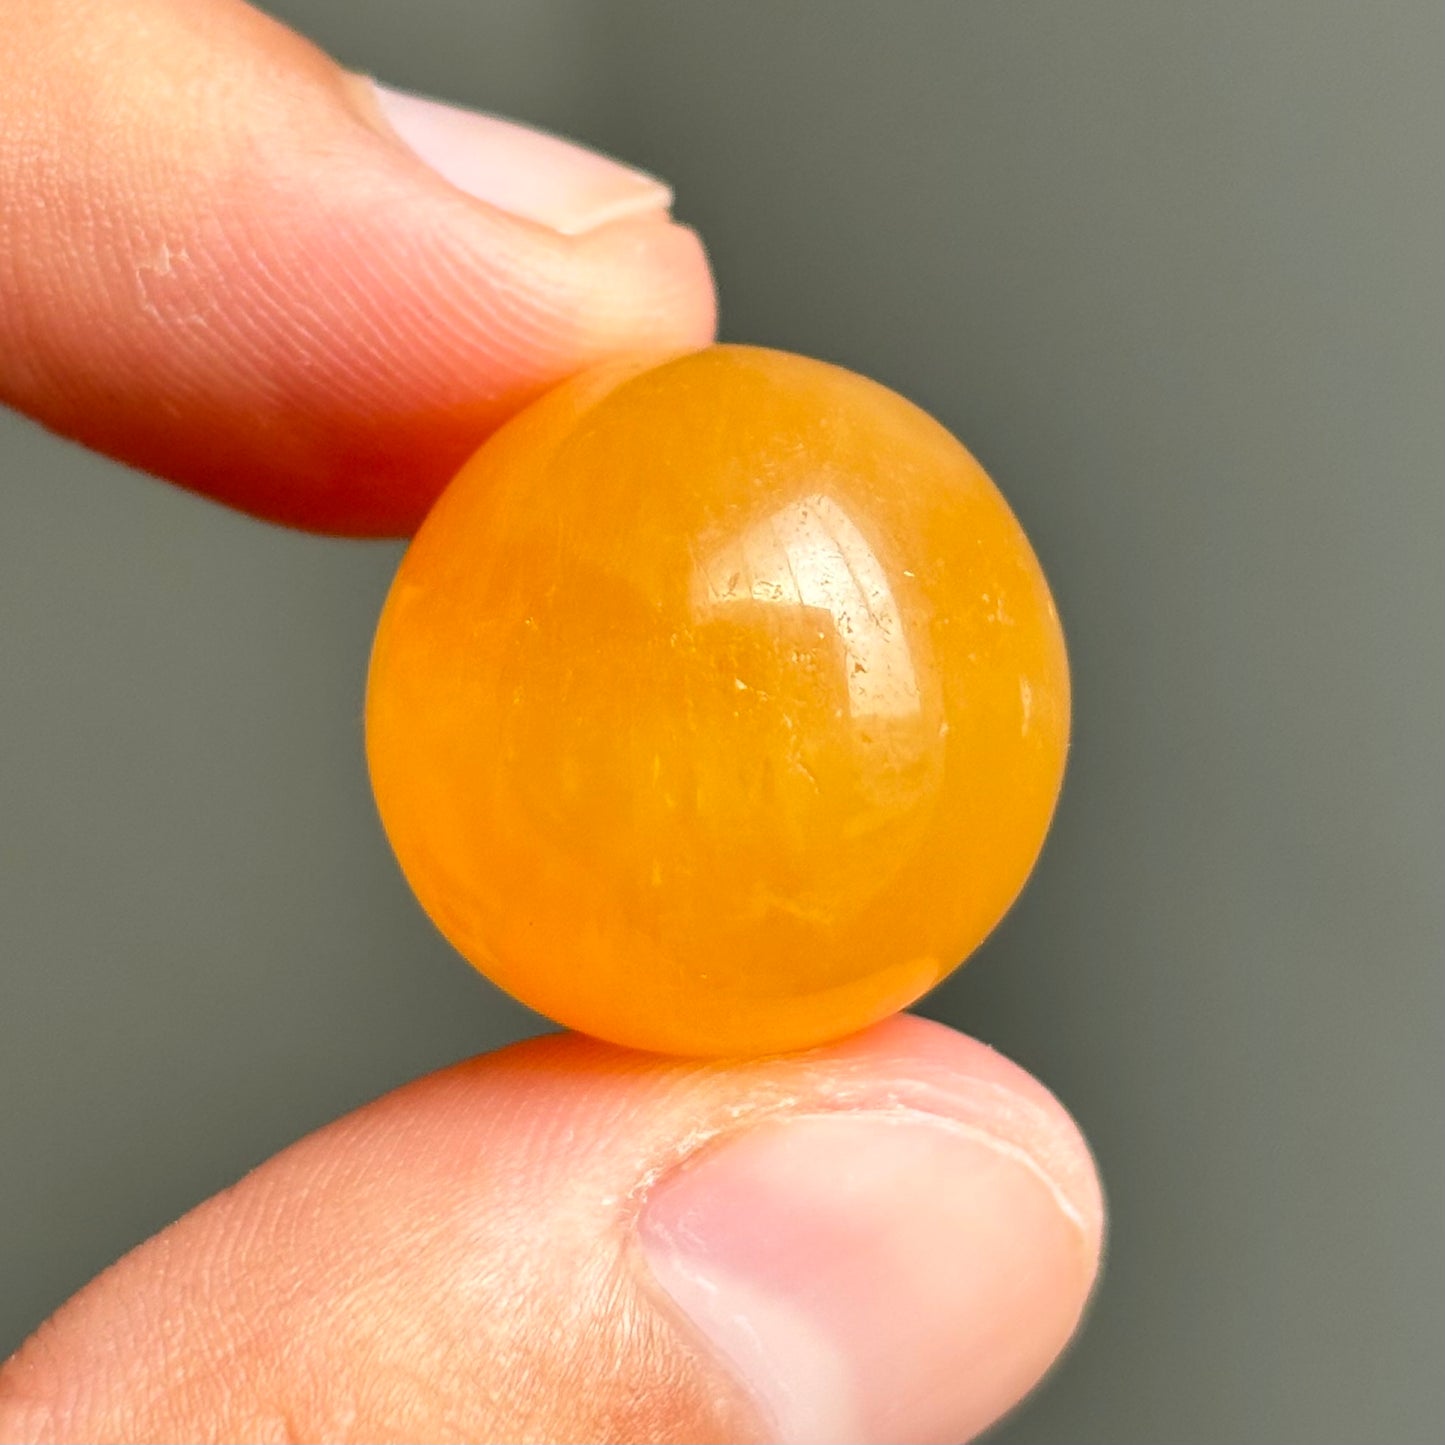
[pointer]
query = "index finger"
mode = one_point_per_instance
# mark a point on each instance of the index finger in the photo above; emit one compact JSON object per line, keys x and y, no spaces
{"x":224,"y":260}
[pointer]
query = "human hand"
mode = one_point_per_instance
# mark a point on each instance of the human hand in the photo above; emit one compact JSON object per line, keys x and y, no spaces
{"x":223,"y":259}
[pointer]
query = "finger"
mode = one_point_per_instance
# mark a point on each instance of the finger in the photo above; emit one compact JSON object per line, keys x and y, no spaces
{"x":889,"y":1239}
{"x":225,"y":260}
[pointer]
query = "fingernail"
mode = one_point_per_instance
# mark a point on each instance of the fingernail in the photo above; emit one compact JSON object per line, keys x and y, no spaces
{"x":873,"y":1277}
{"x":525,"y":172}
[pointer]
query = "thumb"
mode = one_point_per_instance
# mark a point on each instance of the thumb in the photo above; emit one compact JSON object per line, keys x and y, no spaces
{"x":888,"y":1240}
{"x":225,"y":260}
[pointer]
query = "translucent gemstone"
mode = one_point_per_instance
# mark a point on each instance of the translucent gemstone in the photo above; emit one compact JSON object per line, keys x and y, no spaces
{"x":720,"y":705}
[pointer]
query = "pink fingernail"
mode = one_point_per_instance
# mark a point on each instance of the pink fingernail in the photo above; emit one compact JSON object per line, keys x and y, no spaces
{"x":525,"y":172}
{"x":873,"y":1277}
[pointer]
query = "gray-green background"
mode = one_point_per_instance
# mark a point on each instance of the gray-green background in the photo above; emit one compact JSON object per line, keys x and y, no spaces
{"x":1174,"y":273}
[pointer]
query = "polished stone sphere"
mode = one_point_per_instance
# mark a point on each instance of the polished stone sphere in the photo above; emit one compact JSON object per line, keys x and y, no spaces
{"x":720,"y":705}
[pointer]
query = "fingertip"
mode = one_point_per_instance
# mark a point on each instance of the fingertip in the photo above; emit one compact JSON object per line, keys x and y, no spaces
{"x":665,"y":267}
{"x":1029,"y":1111}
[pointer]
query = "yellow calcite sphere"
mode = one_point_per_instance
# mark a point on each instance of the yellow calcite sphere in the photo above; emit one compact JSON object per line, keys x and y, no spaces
{"x":720,"y":705}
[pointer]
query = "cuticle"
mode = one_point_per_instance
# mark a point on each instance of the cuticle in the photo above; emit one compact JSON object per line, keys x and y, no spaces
{"x":897,"y":1105}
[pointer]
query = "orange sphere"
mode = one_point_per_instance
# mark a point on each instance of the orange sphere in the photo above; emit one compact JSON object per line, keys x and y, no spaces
{"x":720,"y":705}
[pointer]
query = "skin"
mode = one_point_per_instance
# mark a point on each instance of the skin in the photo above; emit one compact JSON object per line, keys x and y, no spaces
{"x":221,"y":263}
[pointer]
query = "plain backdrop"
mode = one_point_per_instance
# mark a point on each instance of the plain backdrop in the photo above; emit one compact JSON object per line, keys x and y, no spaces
{"x":1173,"y":272}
